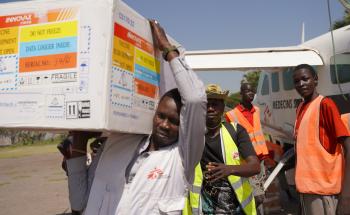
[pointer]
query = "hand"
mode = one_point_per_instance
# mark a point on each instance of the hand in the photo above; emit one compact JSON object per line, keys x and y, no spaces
{"x":270,"y":163}
{"x":65,"y":147}
{"x":159,"y":36}
{"x":218,"y":171}
{"x":96,"y":144}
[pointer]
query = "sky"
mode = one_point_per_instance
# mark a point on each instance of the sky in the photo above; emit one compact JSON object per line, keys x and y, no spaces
{"x":227,"y":24}
{"x":233,"y":24}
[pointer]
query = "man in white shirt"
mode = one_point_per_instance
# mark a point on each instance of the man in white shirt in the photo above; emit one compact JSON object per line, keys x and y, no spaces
{"x":141,"y":174}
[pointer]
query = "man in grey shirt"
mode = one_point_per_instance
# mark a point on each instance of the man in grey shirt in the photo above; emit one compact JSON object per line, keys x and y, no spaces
{"x":141,"y":174}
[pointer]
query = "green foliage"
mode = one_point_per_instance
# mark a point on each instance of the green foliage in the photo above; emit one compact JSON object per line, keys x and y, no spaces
{"x":233,"y":100}
{"x":250,"y":77}
{"x":341,"y":23}
{"x":20,"y":137}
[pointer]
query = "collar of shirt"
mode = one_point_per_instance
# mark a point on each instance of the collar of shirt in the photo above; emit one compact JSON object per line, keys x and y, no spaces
{"x":146,"y":143}
{"x":243,"y":109}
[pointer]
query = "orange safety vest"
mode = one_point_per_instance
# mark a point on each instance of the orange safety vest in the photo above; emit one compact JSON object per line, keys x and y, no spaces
{"x":255,"y":132}
{"x":317,"y":171}
{"x":346,"y":120}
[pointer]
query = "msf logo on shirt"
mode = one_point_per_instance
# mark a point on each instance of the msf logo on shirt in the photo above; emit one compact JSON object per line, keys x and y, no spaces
{"x":235,"y":155}
{"x":155,"y":174}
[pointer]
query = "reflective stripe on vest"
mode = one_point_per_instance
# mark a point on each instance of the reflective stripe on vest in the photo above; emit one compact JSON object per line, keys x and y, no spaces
{"x":255,"y":132}
{"x":346,"y":120}
{"x":317,"y":171}
{"x":196,"y":190}
{"x":241,"y":186}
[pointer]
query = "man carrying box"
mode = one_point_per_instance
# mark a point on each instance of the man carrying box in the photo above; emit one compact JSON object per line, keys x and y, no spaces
{"x":145,"y":174}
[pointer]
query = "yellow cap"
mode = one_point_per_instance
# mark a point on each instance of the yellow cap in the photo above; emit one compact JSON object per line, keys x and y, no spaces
{"x":214,"y":91}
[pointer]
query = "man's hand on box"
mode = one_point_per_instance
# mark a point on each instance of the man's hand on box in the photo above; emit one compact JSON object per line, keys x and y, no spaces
{"x":160,"y":38}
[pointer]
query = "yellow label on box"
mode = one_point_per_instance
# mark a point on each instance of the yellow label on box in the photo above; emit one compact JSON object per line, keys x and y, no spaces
{"x":48,"y":31}
{"x":157,"y":66}
{"x":145,"y":60}
{"x":8,"y":40}
{"x":123,"y":54}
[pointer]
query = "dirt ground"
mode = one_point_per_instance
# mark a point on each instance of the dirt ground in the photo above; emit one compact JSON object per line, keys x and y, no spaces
{"x":33,"y":185}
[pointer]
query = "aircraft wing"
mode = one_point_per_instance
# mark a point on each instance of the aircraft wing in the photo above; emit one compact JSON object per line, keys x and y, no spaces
{"x":249,"y":59}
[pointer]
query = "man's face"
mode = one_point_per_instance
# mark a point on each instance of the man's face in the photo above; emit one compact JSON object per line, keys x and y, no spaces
{"x":215,"y":110}
{"x":247,"y":93}
{"x":304,"y":82}
{"x":166,"y":123}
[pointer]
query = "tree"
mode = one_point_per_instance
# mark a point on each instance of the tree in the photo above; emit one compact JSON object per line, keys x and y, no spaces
{"x":233,"y":100}
{"x":252,"y":77}
{"x":22,"y":137}
{"x":10,"y":133}
{"x":341,"y":23}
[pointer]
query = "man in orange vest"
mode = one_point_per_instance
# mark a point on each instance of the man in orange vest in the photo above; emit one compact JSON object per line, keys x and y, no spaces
{"x":320,"y":135}
{"x":248,"y":115}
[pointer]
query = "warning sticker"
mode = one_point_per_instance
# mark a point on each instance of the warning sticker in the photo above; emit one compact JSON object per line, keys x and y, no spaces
{"x":122,"y":88}
{"x":48,"y":31}
{"x":64,"y":77}
{"x":48,"y":47}
{"x":56,"y":105}
{"x":41,"y":42}
{"x":134,"y":54}
{"x":78,"y":109}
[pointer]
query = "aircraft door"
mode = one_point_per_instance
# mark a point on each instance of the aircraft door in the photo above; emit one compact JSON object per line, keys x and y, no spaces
{"x":263,"y":98}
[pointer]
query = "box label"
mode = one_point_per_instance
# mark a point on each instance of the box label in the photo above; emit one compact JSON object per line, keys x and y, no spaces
{"x":78,"y":109}
{"x":42,"y":43}
{"x":133,"y":55}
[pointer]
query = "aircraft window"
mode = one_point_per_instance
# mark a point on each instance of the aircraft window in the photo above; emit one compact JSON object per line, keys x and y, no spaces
{"x":343,"y":67}
{"x":275,"y":81}
{"x":265,"y":87}
{"x":287,"y":77}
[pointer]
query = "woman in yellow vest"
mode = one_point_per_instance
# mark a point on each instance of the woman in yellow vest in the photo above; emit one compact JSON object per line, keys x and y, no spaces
{"x":221,"y":185}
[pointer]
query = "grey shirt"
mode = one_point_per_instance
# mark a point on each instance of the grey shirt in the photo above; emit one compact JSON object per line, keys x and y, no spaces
{"x":106,"y":177}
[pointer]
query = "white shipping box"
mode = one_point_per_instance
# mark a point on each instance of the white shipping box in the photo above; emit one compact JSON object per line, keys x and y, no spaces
{"x":77,"y":64}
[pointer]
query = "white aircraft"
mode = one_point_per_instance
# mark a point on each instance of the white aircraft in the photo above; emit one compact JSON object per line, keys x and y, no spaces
{"x":276,"y":95}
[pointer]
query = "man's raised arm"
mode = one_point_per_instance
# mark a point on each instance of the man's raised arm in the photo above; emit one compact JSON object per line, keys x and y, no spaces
{"x":193,"y":111}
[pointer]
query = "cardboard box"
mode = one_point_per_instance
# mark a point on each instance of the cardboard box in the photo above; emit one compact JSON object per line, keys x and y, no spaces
{"x":77,"y":64}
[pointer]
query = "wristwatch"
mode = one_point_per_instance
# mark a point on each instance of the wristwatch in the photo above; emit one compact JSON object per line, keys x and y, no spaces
{"x":169,"y":49}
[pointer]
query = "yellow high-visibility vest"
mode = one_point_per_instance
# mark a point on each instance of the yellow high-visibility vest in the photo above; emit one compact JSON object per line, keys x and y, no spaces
{"x":240,"y":185}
